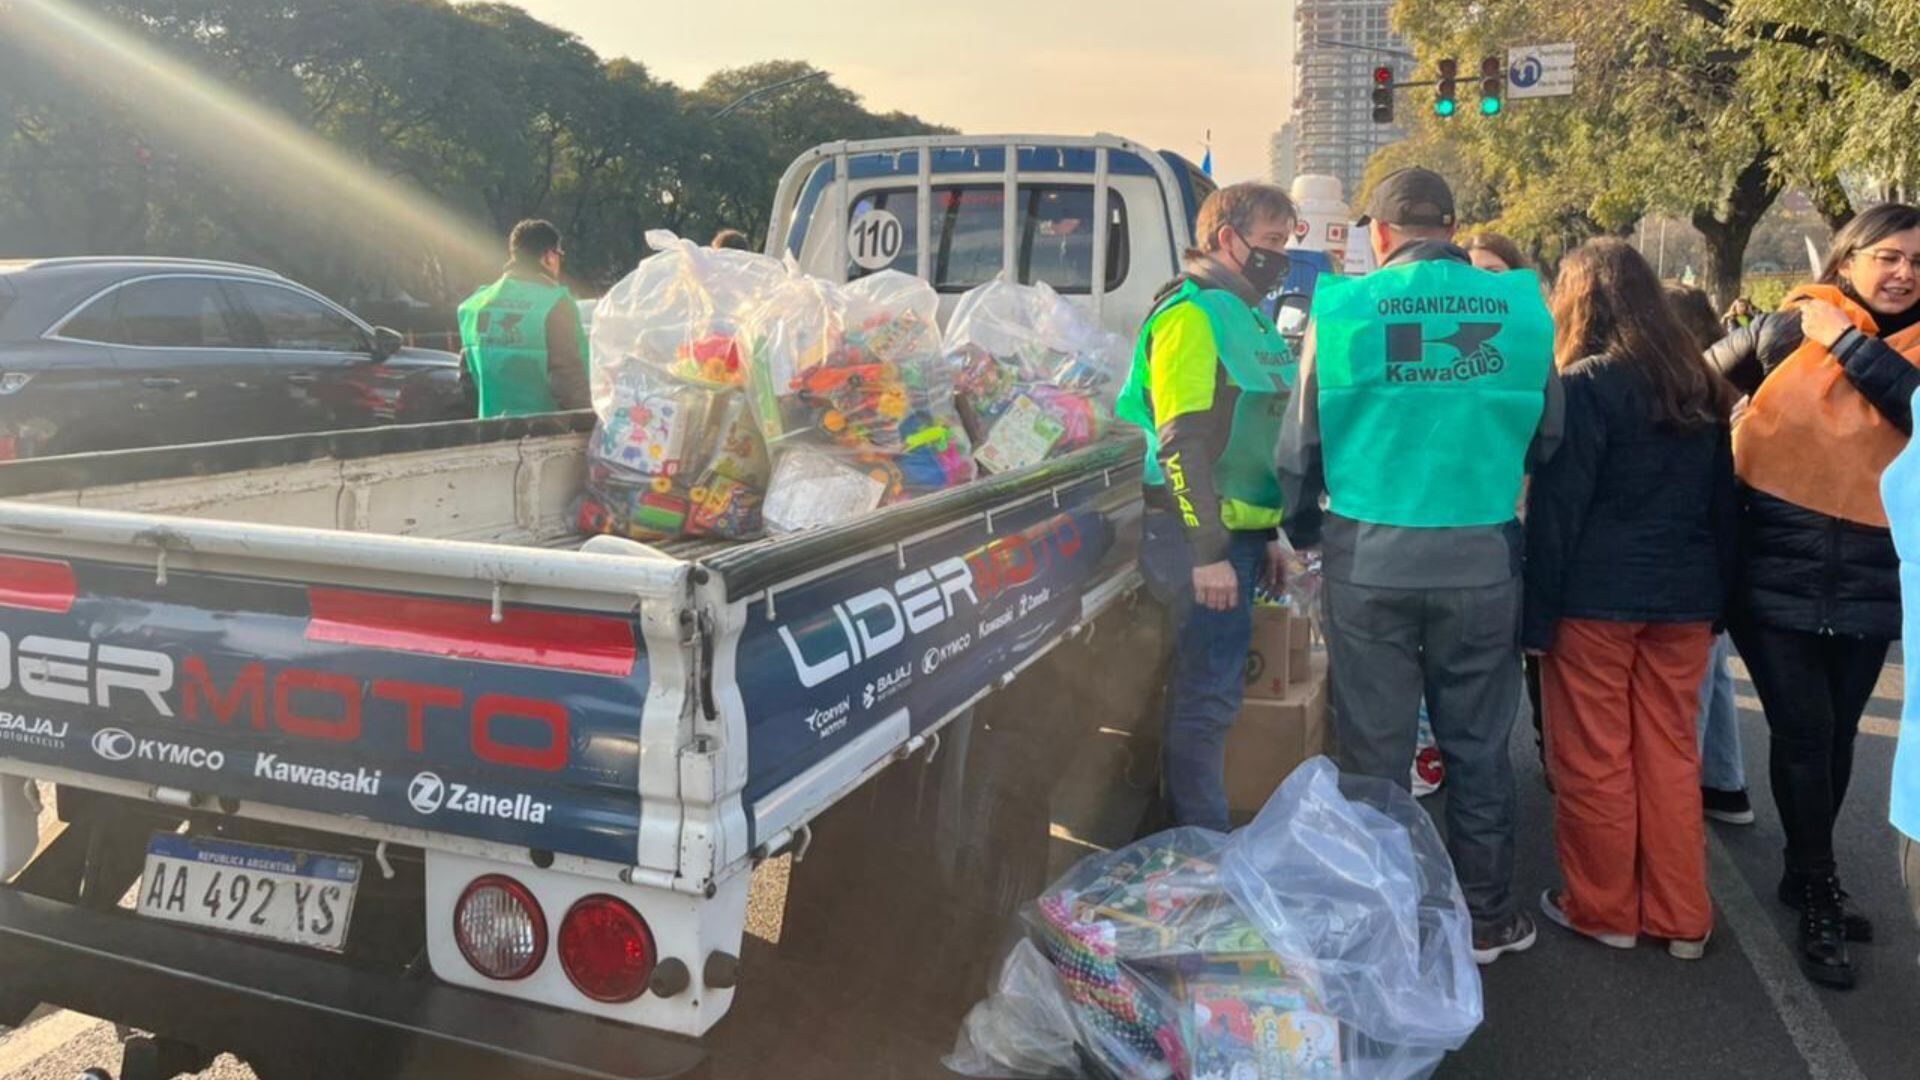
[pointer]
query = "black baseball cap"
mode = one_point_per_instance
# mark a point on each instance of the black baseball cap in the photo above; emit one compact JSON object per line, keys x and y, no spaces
{"x":1411,"y":197}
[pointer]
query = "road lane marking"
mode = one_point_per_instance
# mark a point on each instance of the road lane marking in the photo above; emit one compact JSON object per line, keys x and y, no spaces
{"x":1795,"y":1000}
{"x":21,"y":1048}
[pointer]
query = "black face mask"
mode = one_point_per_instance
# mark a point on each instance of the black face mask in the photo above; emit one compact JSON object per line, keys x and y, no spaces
{"x":1265,"y":269}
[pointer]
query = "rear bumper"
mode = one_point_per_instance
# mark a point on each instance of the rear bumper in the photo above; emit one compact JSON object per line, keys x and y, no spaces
{"x":280,"y":1010}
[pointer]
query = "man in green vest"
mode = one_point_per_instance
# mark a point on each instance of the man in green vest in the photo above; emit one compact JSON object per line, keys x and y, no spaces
{"x":1208,"y":387}
{"x":1426,"y":392}
{"x":521,"y":335}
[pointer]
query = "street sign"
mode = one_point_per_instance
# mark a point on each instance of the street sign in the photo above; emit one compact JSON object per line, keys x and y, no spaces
{"x":1536,"y":71}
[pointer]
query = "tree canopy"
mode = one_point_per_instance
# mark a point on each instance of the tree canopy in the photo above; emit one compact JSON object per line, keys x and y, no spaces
{"x":447,"y":124}
{"x":1703,"y":109}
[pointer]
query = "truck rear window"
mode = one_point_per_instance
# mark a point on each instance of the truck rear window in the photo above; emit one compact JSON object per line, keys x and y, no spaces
{"x":1055,"y":244}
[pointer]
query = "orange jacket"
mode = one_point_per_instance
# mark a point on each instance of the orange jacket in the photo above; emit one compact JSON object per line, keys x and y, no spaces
{"x":1810,"y":438}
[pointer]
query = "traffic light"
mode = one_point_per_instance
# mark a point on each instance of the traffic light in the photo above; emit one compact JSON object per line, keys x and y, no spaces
{"x":1492,"y":86}
{"x":1383,"y":95}
{"x":1447,"y":92}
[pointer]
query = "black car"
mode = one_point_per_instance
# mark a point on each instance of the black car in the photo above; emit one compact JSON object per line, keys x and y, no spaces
{"x":113,"y":353}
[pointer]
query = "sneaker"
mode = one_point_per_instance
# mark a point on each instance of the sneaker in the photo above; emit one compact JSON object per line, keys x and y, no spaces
{"x":1550,"y":904}
{"x":1856,"y":927}
{"x":1823,"y":942}
{"x":1682,"y":949}
{"x":1428,"y":772}
{"x":1731,"y":807}
{"x":1517,"y":934}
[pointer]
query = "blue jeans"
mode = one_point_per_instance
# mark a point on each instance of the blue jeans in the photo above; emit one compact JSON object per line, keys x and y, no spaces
{"x":1209,"y":666}
{"x":1722,"y":766}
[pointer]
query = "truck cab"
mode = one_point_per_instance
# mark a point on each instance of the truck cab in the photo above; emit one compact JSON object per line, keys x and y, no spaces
{"x":960,"y":211}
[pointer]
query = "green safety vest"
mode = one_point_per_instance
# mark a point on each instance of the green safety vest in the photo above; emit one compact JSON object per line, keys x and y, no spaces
{"x":503,"y":331}
{"x":1432,"y":379}
{"x":1257,"y":360}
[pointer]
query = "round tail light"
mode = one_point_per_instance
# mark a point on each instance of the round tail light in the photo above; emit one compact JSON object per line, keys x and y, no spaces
{"x":606,"y":949}
{"x":500,"y":928}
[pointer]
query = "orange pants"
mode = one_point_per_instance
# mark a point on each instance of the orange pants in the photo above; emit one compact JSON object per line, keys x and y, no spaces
{"x":1621,"y":700}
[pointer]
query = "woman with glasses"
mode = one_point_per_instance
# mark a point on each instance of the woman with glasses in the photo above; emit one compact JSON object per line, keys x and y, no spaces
{"x":1832,"y":377}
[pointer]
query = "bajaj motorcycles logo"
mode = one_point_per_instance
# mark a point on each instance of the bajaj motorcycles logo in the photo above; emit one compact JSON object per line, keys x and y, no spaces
{"x":33,"y":731}
{"x":118,"y":745}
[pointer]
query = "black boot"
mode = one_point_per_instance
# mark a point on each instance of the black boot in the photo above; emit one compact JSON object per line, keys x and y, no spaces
{"x":1793,"y":889}
{"x":1823,"y":943}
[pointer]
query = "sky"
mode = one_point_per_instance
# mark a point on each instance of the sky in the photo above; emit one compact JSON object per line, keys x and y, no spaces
{"x":1055,"y":67}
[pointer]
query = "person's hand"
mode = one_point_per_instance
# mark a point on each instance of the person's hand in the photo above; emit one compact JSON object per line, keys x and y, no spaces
{"x":1276,"y":576}
{"x":1823,"y":322}
{"x":1216,"y":586}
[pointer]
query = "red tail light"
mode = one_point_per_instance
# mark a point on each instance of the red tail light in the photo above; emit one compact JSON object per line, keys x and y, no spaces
{"x":36,"y":584}
{"x":500,"y":928}
{"x":606,"y":949}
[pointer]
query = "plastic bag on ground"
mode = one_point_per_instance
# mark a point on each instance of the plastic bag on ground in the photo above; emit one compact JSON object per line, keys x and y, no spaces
{"x":1325,"y":940}
{"x":854,"y":398}
{"x":1035,"y":376}
{"x":1024,"y":1029}
{"x":676,"y":451}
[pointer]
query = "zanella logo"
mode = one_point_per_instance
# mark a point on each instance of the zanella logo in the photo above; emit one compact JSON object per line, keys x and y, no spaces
{"x":117,"y":745}
{"x":427,"y":793}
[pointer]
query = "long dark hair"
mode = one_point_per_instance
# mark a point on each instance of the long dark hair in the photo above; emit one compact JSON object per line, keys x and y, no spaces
{"x":1609,"y":302}
{"x":1868,"y":227}
{"x":1502,"y":248}
{"x":1695,"y":312}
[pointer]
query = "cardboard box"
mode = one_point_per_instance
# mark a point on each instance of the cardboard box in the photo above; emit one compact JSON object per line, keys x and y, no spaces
{"x":1268,"y":671}
{"x":1270,"y":738}
{"x":1299,"y":648}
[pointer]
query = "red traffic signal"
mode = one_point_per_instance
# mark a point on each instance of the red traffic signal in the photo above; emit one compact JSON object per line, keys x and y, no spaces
{"x":1383,"y":95}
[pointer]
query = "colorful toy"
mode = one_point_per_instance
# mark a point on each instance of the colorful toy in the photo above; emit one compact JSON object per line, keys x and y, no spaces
{"x":1025,"y":434}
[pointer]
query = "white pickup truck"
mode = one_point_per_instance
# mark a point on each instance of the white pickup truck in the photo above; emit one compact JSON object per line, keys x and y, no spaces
{"x":369,"y":764}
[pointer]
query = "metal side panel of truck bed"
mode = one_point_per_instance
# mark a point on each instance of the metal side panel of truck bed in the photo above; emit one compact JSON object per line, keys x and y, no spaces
{"x":643,"y":724}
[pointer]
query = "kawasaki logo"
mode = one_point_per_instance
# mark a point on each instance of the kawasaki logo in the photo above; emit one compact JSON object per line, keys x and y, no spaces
{"x":116,"y":745}
{"x":357,"y":782}
{"x":1407,"y":353}
{"x":429,"y":794}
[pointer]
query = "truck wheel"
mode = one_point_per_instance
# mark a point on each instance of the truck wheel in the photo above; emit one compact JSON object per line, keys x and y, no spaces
{"x":94,"y":1074}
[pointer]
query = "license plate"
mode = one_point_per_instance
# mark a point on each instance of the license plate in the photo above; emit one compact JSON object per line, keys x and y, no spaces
{"x":293,"y":897}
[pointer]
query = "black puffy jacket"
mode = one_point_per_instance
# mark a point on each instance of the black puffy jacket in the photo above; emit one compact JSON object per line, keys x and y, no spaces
{"x":1801,"y":569}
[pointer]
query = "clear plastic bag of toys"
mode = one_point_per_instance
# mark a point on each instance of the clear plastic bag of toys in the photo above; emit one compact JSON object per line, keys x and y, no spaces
{"x":676,"y":451}
{"x":1035,"y":377}
{"x":854,"y":398}
{"x":1326,"y":940}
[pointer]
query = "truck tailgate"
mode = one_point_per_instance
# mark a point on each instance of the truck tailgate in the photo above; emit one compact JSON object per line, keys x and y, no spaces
{"x":400,"y":681}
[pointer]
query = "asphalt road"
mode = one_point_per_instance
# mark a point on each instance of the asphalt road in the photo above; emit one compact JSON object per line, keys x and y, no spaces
{"x":873,"y":979}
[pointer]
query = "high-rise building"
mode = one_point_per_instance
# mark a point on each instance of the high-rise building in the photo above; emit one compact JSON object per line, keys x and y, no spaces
{"x":1337,"y":45}
{"x":1282,"y":156}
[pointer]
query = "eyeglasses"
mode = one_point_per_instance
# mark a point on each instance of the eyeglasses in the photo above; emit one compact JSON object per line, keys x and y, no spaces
{"x":1889,"y":259}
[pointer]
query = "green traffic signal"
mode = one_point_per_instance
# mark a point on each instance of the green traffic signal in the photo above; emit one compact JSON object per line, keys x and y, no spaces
{"x":1445,"y":107}
{"x":1488,"y":106}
